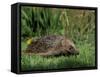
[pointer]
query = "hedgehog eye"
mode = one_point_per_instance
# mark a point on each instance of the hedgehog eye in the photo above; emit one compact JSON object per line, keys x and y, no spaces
{"x":70,"y":48}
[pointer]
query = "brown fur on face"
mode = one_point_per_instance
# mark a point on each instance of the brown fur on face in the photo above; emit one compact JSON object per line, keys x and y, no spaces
{"x":52,"y":45}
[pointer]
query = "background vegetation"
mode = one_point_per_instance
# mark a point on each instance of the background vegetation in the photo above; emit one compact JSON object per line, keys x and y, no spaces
{"x":78,"y":25}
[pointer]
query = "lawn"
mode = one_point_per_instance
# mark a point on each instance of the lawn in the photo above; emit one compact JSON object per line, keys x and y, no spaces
{"x":86,"y":58}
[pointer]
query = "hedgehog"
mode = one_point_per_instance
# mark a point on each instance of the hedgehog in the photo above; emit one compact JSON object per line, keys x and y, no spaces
{"x":52,"y":45}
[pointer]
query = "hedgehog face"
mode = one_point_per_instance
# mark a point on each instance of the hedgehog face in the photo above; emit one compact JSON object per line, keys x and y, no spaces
{"x":69,"y":47}
{"x":72,"y":50}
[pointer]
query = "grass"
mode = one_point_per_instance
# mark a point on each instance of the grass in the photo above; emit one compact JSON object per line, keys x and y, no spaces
{"x":86,"y":58}
{"x":77,"y":24}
